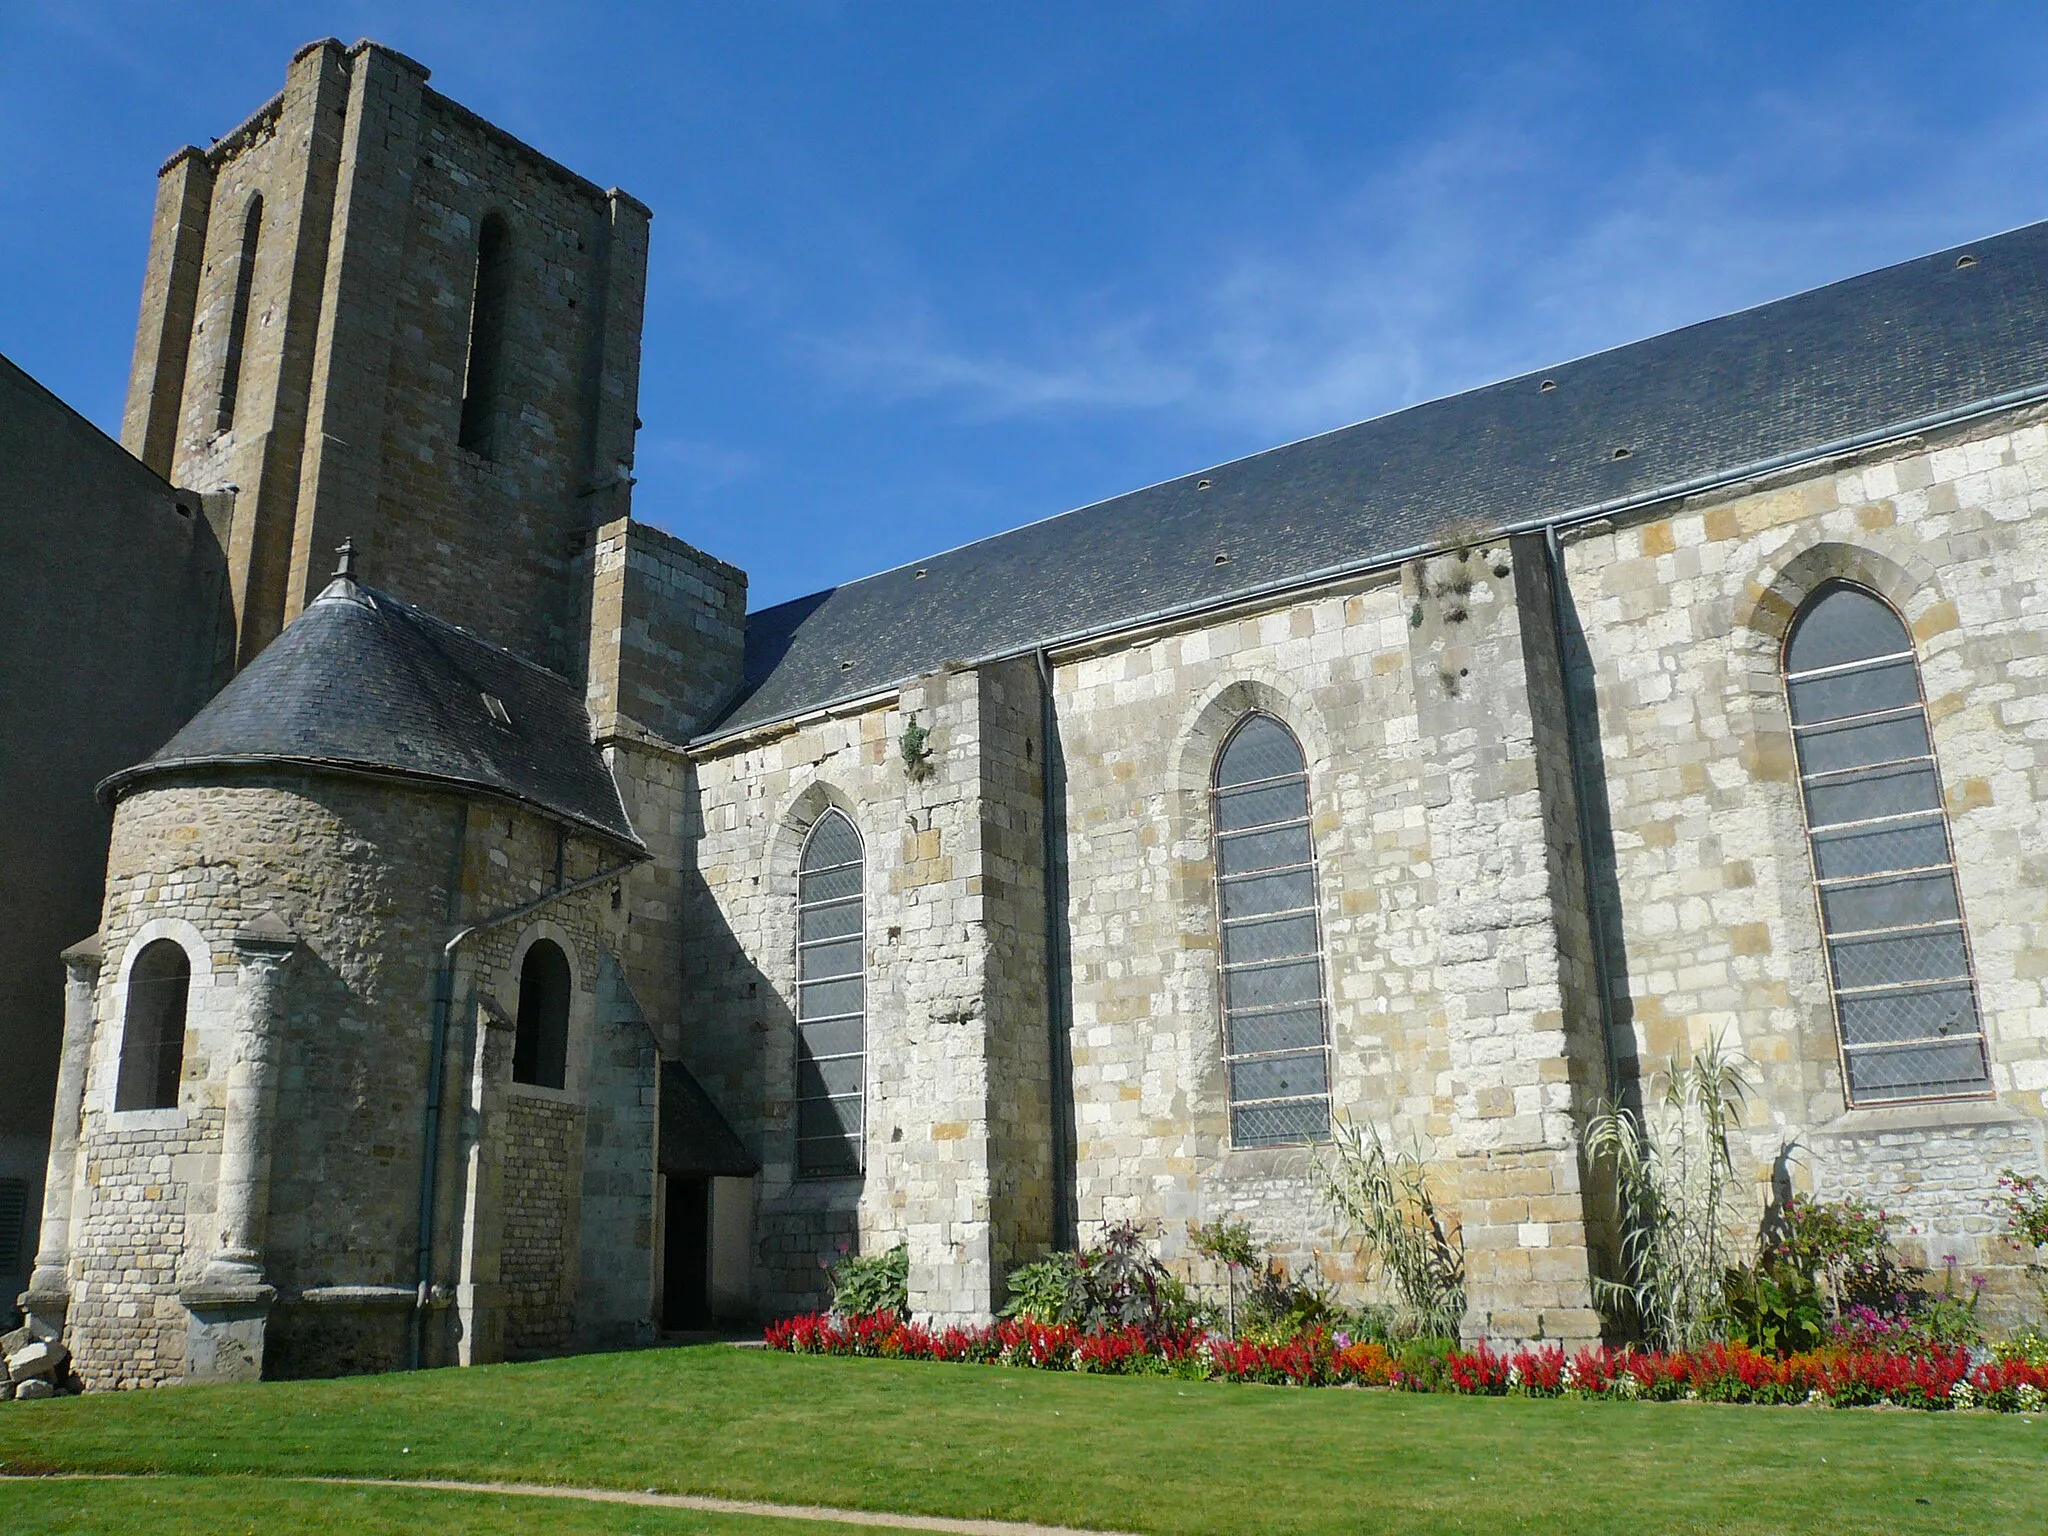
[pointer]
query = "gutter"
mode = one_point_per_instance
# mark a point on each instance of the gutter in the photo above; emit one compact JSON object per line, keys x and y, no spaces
{"x":444,"y":993}
{"x":1593,"y":512}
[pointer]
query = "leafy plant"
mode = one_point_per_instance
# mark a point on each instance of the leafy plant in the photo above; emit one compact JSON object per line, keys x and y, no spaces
{"x":2025,"y":1198}
{"x":1229,"y":1243}
{"x":1384,"y":1200}
{"x":1280,"y":1308}
{"x":1115,"y":1284}
{"x":1121,"y":1285}
{"x":917,"y":753}
{"x":1047,"y":1291}
{"x":873,"y":1282}
{"x":1674,"y":1185}
{"x":1844,"y":1246}
{"x":1774,"y":1307}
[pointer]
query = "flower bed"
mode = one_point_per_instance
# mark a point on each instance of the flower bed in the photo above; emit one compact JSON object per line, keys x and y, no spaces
{"x":1836,"y":1377}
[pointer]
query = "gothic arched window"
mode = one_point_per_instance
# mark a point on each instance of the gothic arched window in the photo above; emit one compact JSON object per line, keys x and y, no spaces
{"x":1275,"y":1046}
{"x":483,"y":365}
{"x":831,"y":999}
{"x":1891,"y":916}
{"x":238,"y":317}
{"x":540,"y":1039}
{"x":153,"y":1030}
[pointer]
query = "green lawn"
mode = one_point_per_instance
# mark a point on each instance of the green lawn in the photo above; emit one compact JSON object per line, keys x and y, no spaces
{"x":1142,"y":1455}
{"x":208,"y":1506}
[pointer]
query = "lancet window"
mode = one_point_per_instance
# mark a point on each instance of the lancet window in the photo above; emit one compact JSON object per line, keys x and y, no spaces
{"x":1275,"y":1037}
{"x":1898,"y":952}
{"x":831,"y":990}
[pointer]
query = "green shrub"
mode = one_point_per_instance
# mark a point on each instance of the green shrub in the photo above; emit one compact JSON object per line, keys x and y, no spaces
{"x":873,"y":1282}
{"x":1115,"y":1284}
{"x":1425,"y":1362}
{"x":1773,"y":1307}
{"x":1047,"y":1291}
{"x":2029,"y":1345}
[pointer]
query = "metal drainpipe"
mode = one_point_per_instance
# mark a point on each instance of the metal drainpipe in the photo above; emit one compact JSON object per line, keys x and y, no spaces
{"x":1064,"y":1233}
{"x":444,"y":993}
{"x":1596,"y":918}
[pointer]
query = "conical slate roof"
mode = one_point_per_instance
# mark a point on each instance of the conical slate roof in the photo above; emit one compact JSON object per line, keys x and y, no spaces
{"x":362,"y":682}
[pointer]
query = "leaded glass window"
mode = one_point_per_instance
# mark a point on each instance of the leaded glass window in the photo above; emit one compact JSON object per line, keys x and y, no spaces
{"x":1898,"y":955}
{"x":831,"y":999}
{"x":1275,"y":1049}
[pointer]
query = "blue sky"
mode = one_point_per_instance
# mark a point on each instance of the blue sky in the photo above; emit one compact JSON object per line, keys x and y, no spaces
{"x":923,"y":272}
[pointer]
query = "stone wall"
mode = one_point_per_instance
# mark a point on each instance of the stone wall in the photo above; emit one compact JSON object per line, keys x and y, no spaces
{"x":543,"y":1147}
{"x":1681,"y":617}
{"x":119,"y":628}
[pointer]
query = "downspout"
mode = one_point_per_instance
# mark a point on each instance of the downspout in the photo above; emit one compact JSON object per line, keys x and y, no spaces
{"x":1596,"y":912}
{"x":444,"y":993}
{"x":1065,"y":1232}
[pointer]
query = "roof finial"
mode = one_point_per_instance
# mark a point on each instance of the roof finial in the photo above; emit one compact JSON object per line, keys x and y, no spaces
{"x":345,"y":563}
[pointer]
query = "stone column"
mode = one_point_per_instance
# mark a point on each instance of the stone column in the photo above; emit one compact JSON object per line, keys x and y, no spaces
{"x":231,"y":1304}
{"x":242,"y":1195}
{"x":49,"y":1287}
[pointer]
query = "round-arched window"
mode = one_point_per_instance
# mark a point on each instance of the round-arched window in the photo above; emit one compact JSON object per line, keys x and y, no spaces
{"x":153,"y":1029}
{"x":540,"y":1042}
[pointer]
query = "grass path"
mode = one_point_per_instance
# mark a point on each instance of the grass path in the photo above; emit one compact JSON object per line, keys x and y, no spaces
{"x":1141,"y":1455}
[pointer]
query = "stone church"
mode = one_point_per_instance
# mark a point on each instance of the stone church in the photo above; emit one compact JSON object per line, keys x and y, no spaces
{"x":449,"y":925}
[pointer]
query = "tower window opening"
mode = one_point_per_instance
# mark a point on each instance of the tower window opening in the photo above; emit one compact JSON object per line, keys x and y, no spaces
{"x":483,"y":364}
{"x":153,"y":1031}
{"x":238,"y":317}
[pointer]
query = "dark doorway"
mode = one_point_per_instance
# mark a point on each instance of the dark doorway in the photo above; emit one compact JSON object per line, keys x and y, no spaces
{"x":686,"y":1255}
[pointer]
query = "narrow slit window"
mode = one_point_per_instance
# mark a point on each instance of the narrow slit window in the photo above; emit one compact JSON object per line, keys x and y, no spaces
{"x":483,"y":366}
{"x":1883,"y":862}
{"x":831,"y":1000}
{"x":540,"y":1038}
{"x":1275,"y":1036}
{"x":238,"y":317}
{"x":153,"y":1029}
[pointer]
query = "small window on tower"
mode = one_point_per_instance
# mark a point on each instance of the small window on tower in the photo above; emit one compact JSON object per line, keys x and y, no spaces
{"x":153,"y":1030}
{"x":484,"y":365}
{"x":238,"y":317}
{"x":540,"y":1038}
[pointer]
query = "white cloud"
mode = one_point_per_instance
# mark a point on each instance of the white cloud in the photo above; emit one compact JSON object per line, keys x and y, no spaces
{"x":1498,"y":246}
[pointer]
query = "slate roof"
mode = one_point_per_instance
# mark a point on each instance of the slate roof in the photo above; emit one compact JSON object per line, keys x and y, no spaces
{"x":362,"y":681}
{"x":697,"y":1141}
{"x":1816,"y":371}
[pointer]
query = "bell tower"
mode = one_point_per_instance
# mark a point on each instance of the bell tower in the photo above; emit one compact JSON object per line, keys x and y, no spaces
{"x":369,"y":313}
